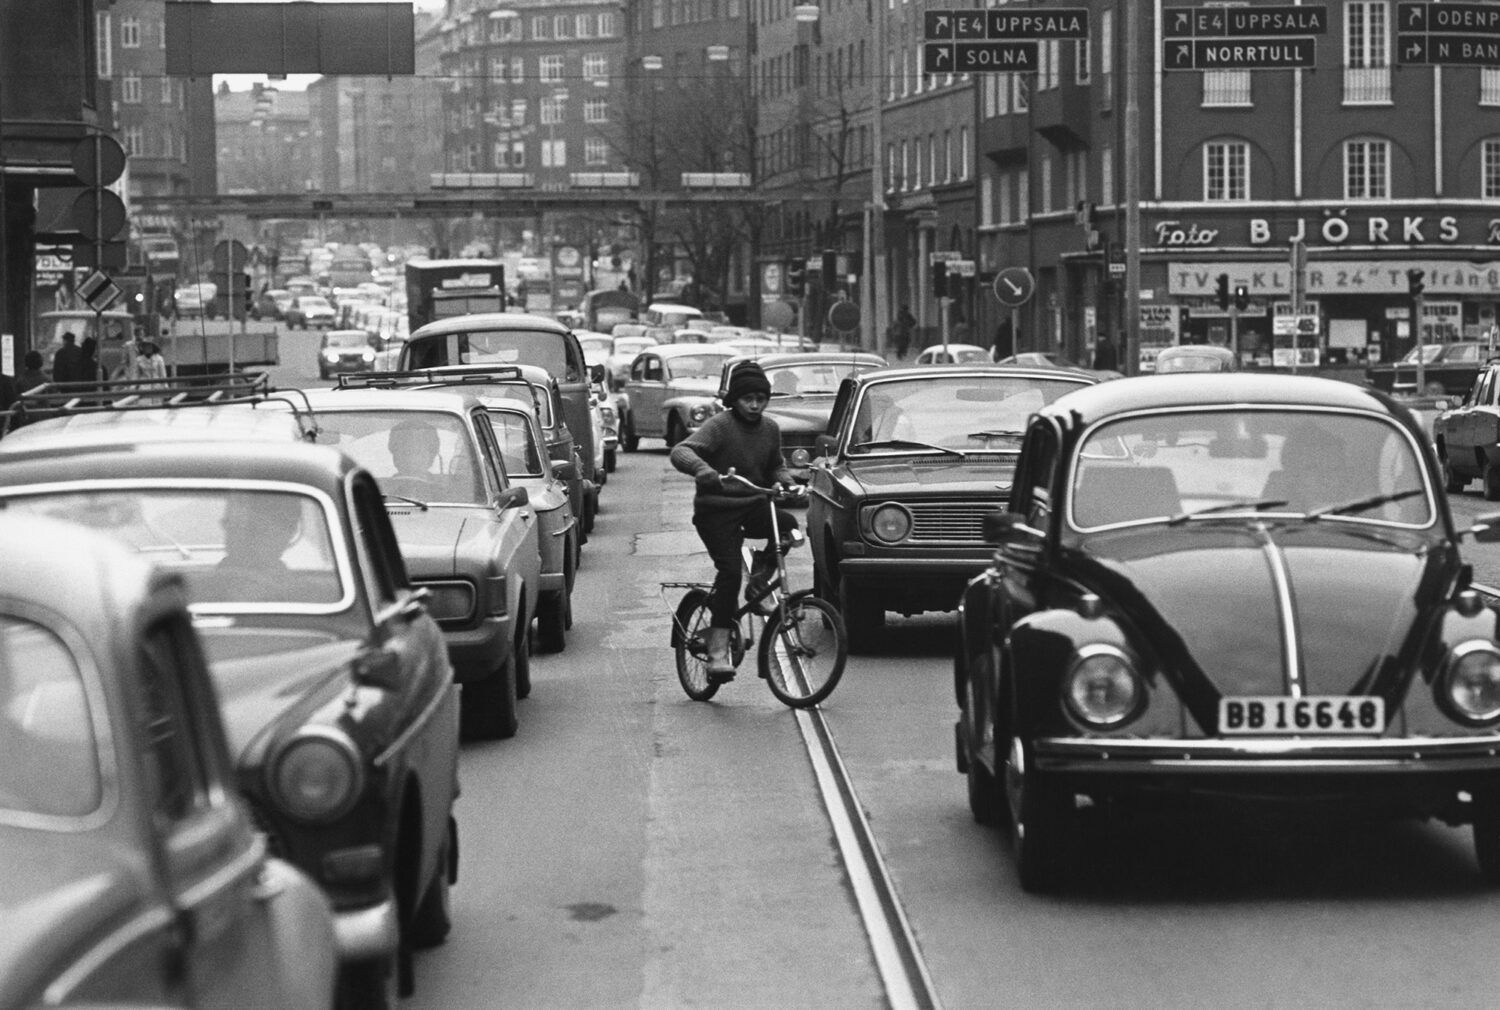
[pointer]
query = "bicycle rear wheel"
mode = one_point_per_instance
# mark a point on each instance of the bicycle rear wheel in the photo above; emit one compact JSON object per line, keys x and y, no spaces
{"x":802,"y":650}
{"x":689,"y":633}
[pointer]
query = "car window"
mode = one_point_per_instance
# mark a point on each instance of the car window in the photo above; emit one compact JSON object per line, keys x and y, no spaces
{"x":1483,"y":390}
{"x":518,"y":448}
{"x":696,"y":366}
{"x":1462,"y":352}
{"x":958,"y":413}
{"x":385,"y":572}
{"x":1148,"y":467}
{"x":233,"y":545}
{"x":49,"y":757}
{"x":1031,"y":494}
{"x":651,"y":370}
{"x":506,"y":347}
{"x":380,"y":440}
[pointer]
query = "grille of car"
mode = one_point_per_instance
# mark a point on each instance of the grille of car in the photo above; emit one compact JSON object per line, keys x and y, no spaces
{"x":950,"y":521}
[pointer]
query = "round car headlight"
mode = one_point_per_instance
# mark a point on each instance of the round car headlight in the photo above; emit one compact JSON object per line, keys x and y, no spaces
{"x":1471,"y":683}
{"x":800,"y":457}
{"x":368,"y":354}
{"x":330,"y":354}
{"x":1102,"y":688}
{"x":317,"y":777}
{"x":890,"y":523}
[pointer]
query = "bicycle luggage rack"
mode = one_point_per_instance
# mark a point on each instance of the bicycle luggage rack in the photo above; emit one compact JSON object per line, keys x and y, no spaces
{"x":55,"y":399}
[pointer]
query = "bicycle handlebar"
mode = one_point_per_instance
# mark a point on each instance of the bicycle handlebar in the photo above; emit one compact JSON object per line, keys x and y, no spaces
{"x":773,"y":492}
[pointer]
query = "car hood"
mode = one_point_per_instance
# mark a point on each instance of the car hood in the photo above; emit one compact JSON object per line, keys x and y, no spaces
{"x":257,"y":690}
{"x":59,"y":899}
{"x":801,"y":413}
{"x":429,"y":540}
{"x":934,"y":475}
{"x":1233,"y":610}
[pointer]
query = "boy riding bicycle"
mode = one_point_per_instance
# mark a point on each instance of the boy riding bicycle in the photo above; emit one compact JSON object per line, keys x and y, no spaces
{"x":742,"y":441}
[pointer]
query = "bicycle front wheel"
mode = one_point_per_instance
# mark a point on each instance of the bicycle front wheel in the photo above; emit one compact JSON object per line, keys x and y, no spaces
{"x":802,"y":650}
{"x":689,"y":638}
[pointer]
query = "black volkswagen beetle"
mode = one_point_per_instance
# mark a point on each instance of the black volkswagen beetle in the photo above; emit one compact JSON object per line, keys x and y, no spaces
{"x":1243,"y":587}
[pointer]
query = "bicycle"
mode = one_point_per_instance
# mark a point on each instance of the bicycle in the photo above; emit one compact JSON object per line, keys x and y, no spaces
{"x":803,"y":645}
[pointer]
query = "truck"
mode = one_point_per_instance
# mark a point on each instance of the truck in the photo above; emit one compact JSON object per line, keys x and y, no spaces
{"x":444,"y":288}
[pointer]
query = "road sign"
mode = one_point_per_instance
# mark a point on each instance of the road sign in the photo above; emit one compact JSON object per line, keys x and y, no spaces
{"x":1450,"y":50}
{"x":977,"y":57}
{"x":99,"y":291}
{"x":1460,"y":34}
{"x":98,"y":214}
{"x":1245,"y":22}
{"x":98,"y":160}
{"x":1014,"y":286}
{"x":1238,"y":54}
{"x":770,"y":278}
{"x":999,"y":24}
{"x":843,"y":316}
{"x":1449,"y":18}
{"x":230,"y":256}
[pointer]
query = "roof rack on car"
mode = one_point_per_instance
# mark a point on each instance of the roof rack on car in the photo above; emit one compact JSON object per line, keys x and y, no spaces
{"x":53,"y":399}
{"x":445,"y":374}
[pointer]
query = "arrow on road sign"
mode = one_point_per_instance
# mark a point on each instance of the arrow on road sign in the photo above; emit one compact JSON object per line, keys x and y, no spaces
{"x":937,"y":58}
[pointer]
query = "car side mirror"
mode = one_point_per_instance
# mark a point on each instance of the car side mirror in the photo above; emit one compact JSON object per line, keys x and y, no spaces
{"x":826,"y":445}
{"x":1486,"y":528}
{"x":596,"y":374}
{"x":512,"y":498}
{"x":1000,"y":525}
{"x":565,"y":472}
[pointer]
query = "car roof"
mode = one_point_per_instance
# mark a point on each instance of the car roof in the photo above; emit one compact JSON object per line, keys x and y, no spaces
{"x":126,"y":457}
{"x":684,"y":350}
{"x":813,"y":358}
{"x":955,"y":347}
{"x":492,"y":321}
{"x":156,"y":424}
{"x":973,"y":369}
{"x":1214,"y":389}
{"x":449,"y":401}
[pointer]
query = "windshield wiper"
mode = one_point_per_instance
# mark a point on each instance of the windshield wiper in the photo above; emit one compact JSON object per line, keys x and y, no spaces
{"x":905,"y":443}
{"x":1232,"y":506}
{"x":987,"y":435}
{"x":410,"y":501}
{"x":1362,"y":504}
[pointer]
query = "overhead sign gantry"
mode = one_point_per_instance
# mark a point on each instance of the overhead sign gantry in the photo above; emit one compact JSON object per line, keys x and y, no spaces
{"x":1242,"y":38}
{"x":995,"y":39}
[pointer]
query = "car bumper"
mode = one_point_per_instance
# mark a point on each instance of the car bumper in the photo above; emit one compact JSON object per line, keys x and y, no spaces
{"x":913,"y":584}
{"x":347,"y":365}
{"x":366,"y":933}
{"x":1267,"y":757}
{"x":476,"y":652}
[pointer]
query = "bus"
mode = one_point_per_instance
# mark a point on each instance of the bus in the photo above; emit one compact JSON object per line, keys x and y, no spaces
{"x":442,"y":289}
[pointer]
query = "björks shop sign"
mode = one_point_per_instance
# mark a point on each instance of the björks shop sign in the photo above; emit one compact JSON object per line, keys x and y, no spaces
{"x":1341,"y":229}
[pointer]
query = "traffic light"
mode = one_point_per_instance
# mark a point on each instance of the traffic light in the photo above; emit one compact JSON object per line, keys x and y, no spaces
{"x":1241,"y":297}
{"x":1222,"y":294}
{"x":939,"y":279}
{"x":1414,"y":285}
{"x":830,"y":270}
{"x":796,"y":278}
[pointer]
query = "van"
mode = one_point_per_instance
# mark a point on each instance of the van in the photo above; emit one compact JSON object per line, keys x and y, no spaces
{"x":513,"y":338}
{"x":670,"y":314}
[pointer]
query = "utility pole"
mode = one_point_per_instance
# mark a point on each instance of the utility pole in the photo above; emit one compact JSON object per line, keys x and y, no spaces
{"x":1132,"y":327}
{"x":880,"y":311}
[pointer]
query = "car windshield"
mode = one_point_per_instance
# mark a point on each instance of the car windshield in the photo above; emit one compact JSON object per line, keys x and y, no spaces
{"x":959,"y":413}
{"x":814,"y":378}
{"x":1324,"y":466}
{"x":696,"y":366}
{"x":518,"y":447}
{"x":50,"y":762}
{"x":531,"y":397}
{"x":603,"y":344}
{"x":1190,"y":363}
{"x":238,"y":548}
{"x":631,"y":346}
{"x":313,"y":302}
{"x":424,"y":456}
{"x":347,"y":338}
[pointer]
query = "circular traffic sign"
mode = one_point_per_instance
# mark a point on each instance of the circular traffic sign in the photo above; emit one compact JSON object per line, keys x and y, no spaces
{"x":843,"y":316}
{"x":770,"y":278}
{"x":98,"y":160}
{"x":98,"y":214}
{"x":1013,"y":286}
{"x":777,"y":315}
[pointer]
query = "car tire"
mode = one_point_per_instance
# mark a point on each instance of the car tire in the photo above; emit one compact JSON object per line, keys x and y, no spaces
{"x":1039,"y":820}
{"x":1486,"y":826}
{"x":987,"y":801}
{"x":433,"y":920}
{"x":864,"y":617}
{"x":590,"y":509}
{"x":487,"y":707}
{"x":609,"y":460}
{"x":552,"y":622}
{"x":369,"y":985}
{"x":629,"y":440}
{"x":1491,"y":477}
{"x":1453,"y":482}
{"x":676,"y":432}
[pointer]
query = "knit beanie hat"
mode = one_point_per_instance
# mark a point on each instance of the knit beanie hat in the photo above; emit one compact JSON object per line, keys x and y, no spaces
{"x":747,"y":377}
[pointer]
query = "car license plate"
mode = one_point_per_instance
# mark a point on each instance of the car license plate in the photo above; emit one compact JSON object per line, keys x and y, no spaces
{"x":1320,"y":715}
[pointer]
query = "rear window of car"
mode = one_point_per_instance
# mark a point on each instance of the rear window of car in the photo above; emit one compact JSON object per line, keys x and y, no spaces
{"x":497,"y":347}
{"x":451,"y":476}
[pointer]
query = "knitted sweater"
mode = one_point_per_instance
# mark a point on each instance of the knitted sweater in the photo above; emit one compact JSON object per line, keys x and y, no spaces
{"x":724,"y":441}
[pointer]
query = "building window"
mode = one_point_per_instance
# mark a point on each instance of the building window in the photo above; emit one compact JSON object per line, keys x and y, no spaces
{"x":553,"y":109}
{"x":518,"y":112}
{"x":505,"y":29}
{"x":595,"y":65}
{"x":1049,"y":70}
{"x":562,"y":26}
{"x":1226,"y":87}
{"x":595,"y":151}
{"x":1489,"y":86}
{"x":134,"y":142}
{"x":103,"y":59}
{"x":130,"y":33}
{"x":502,"y":154}
{"x":1226,"y":171}
{"x":554,"y":154}
{"x":1367,"y":48}
{"x":518,"y":154}
{"x":1490,"y":162}
{"x":1045,"y":182}
{"x":596,"y":110}
{"x":1005,"y":202}
{"x":963,"y":153}
{"x":1081,"y":55}
{"x":1023,"y":195}
{"x":550,"y":68}
{"x":1106,"y":176}
{"x":130,"y":89}
{"x":604,"y":26}
{"x":471,"y":158}
{"x":1367,"y":174}
{"x":1107,"y":59}
{"x":166,"y":91}
{"x":541,"y":27}
{"x":517,"y":69}
{"x":1021,"y":101}
{"x":583,"y":26}
{"x":947,"y":174}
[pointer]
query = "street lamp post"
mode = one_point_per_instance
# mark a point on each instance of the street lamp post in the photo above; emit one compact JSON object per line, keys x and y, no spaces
{"x":877,"y":309}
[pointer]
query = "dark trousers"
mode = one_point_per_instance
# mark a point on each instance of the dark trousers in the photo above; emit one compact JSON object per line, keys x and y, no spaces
{"x":723,"y":532}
